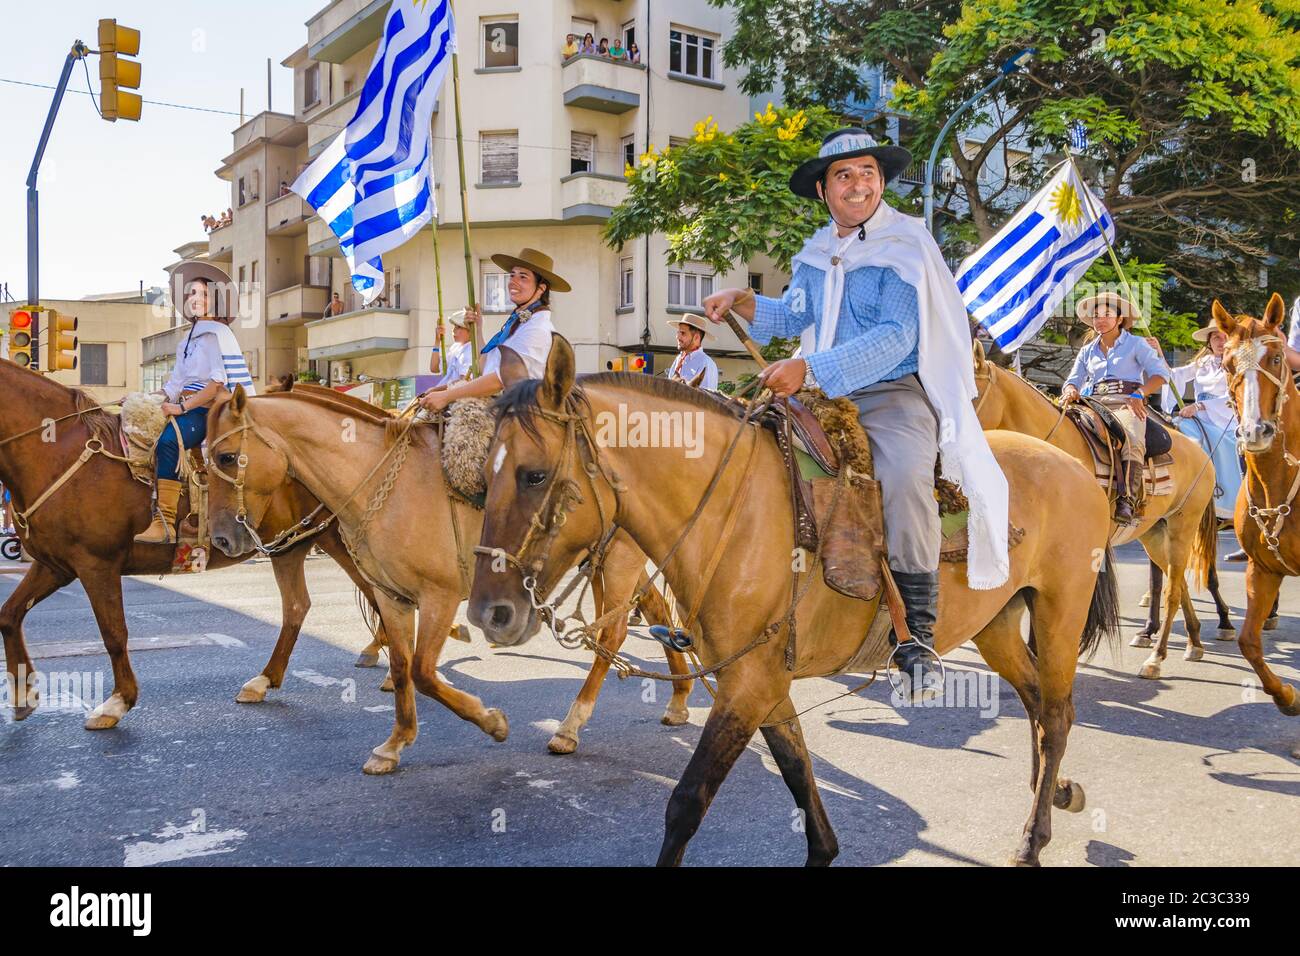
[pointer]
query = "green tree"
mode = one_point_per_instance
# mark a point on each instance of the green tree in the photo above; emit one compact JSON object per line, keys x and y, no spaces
{"x":1191,"y":108}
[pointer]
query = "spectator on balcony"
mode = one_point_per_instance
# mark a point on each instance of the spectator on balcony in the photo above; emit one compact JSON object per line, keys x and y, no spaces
{"x":633,"y":53}
{"x":589,"y":45}
{"x":571,"y":47}
{"x":616,"y":51}
{"x":603,"y":49}
{"x":284,"y":187}
{"x":334,"y":308}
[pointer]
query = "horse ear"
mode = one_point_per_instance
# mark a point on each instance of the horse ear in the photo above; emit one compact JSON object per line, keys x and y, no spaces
{"x":512,"y":368}
{"x":978,"y":349}
{"x":239,"y":401}
{"x":1222,"y":318}
{"x":561,"y":369}
{"x":1274,"y":312}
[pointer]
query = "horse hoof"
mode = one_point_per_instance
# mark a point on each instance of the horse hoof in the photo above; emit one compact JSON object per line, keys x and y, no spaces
{"x":387,"y":685}
{"x":1018,"y":861}
{"x":562,"y":744}
{"x":101,"y":722}
{"x":675,"y":717}
{"x":1226,"y":634}
{"x":1193,"y":653}
{"x":24,"y":711}
{"x":498,"y":727}
{"x":1292,"y":707}
{"x":254,"y":692}
{"x":1150,"y":670}
{"x":1078,"y":799}
{"x":1145,"y":600}
{"x":367,"y":660}
{"x":378,"y":765}
{"x":1270,"y":624}
{"x":1140,"y":640}
{"x":107,"y":714}
{"x":1295,"y":751}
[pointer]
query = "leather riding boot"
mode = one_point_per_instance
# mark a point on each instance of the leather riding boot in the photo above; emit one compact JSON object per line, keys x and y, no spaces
{"x":162,"y":531}
{"x":1130,"y":476}
{"x":918,"y":664}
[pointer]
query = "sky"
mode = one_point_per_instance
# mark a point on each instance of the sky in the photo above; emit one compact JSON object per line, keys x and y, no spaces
{"x":117,"y":198}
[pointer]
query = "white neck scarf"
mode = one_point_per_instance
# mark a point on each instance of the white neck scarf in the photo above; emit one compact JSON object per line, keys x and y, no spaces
{"x":894,"y":241}
{"x":232,"y":356}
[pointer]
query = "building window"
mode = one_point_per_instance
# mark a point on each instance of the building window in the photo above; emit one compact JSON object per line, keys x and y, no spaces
{"x":626,"y":282}
{"x":629,"y":34}
{"x":756,"y":282}
{"x":629,"y":150}
{"x":496,"y":295}
{"x":257,"y":185}
{"x":582,"y":27}
{"x":499,"y":155}
{"x":242,"y":200}
{"x":500,"y":43}
{"x":311,"y":86}
{"x":688,"y":285}
{"x":582,"y":152}
{"x":396,"y":297}
{"x":675,"y":141}
{"x":691,"y":54}
{"x":94,"y":363}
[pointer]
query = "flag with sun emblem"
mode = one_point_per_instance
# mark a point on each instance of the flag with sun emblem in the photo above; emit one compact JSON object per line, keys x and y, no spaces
{"x":1013,"y":283}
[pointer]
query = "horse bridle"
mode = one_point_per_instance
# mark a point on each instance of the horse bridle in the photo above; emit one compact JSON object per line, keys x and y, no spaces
{"x":1277,"y":514}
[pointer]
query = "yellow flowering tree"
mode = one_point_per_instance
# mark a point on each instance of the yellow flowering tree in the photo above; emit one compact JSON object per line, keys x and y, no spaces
{"x":723,"y":198}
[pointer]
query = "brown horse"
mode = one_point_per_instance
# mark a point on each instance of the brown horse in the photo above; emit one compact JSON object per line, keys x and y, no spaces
{"x":651,"y":492}
{"x":1178,"y":531}
{"x":86,"y":531}
{"x":408,"y":531}
{"x":1268,"y":406}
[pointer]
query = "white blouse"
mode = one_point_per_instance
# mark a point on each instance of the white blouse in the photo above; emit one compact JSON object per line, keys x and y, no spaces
{"x":1211,"y":388}
{"x":198,"y":361}
{"x":457,"y":364}
{"x":531,"y":341}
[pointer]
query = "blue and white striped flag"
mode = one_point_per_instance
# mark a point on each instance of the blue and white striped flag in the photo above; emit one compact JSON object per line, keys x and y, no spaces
{"x":1013,"y":283}
{"x":373,"y":184}
{"x":1078,"y":136}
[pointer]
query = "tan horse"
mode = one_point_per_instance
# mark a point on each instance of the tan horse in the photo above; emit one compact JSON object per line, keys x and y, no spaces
{"x":86,"y":531}
{"x":1178,"y":531}
{"x":1268,"y":406}
{"x":407,"y":528}
{"x":652,"y":492}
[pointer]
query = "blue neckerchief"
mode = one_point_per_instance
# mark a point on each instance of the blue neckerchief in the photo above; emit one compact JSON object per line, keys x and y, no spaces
{"x":507,"y":330}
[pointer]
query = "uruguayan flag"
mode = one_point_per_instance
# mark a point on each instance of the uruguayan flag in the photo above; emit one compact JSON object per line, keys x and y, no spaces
{"x":373,"y":184}
{"x":1014,"y":282}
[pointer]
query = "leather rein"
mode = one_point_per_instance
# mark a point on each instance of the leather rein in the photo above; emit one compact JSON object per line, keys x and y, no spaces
{"x":1277,"y":514}
{"x":565,"y":492}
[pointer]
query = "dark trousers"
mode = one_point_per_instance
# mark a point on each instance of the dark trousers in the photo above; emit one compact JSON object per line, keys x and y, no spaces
{"x":194,"y":428}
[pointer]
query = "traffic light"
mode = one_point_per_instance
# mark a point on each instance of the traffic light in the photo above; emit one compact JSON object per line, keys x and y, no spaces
{"x":20,"y":338}
{"x":637,"y":362}
{"x":60,"y":343}
{"x":116,"y":73}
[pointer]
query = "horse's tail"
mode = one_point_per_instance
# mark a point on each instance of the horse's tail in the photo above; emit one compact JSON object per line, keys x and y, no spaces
{"x":1205,"y":548}
{"x":369,"y":613}
{"x":1103,"y":610}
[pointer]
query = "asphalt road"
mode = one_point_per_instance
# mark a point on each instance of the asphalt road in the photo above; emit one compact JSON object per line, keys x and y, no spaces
{"x":1190,"y":769}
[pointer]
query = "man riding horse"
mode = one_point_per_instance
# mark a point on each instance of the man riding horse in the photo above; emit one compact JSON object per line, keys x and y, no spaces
{"x":883,"y":323}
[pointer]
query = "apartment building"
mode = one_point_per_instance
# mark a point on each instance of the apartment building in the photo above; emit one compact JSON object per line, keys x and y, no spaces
{"x":546,"y":142}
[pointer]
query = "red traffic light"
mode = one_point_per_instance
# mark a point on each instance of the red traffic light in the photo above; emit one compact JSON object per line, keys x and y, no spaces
{"x":20,"y":320}
{"x":636,"y":364}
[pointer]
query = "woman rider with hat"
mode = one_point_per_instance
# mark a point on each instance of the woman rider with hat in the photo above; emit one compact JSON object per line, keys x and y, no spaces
{"x":1120,"y":370}
{"x":527,"y":331}
{"x":207,"y":361}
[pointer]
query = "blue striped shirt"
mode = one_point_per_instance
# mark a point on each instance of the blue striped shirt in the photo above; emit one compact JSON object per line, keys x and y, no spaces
{"x":875,"y":339}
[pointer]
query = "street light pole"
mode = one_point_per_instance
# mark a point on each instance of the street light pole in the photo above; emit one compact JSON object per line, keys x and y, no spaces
{"x":927,"y":189}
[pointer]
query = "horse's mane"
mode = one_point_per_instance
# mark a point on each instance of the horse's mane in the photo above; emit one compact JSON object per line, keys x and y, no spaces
{"x":519,"y":401}
{"x":102,"y":424}
{"x":332,"y":400}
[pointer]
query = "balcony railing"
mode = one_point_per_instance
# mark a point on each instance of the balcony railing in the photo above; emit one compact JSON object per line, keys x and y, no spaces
{"x":287,"y":215}
{"x":601,"y":84}
{"x":590,"y":197}
{"x":357,"y":334}
{"x":221,"y":243}
{"x":296,"y":305}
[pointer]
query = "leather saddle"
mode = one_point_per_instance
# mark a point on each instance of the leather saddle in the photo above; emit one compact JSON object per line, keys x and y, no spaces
{"x":1158,"y":440}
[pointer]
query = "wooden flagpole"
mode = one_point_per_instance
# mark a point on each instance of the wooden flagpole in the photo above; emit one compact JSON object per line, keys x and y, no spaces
{"x":437,"y":280}
{"x":464,"y":207}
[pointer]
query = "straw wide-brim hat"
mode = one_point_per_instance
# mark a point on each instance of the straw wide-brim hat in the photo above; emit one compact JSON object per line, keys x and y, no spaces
{"x":1202,"y":335}
{"x":457,"y":319}
{"x":538,"y":262}
{"x":222,"y":294}
{"x":694,"y":321}
{"x":847,"y":143}
{"x":1087,"y":308}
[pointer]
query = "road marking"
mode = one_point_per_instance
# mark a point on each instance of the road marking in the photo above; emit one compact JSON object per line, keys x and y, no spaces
{"x":181,"y":844}
{"x":158,"y":642}
{"x":320,"y":680}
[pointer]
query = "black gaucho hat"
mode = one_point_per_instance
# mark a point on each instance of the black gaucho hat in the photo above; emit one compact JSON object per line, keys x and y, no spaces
{"x":846,"y":144}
